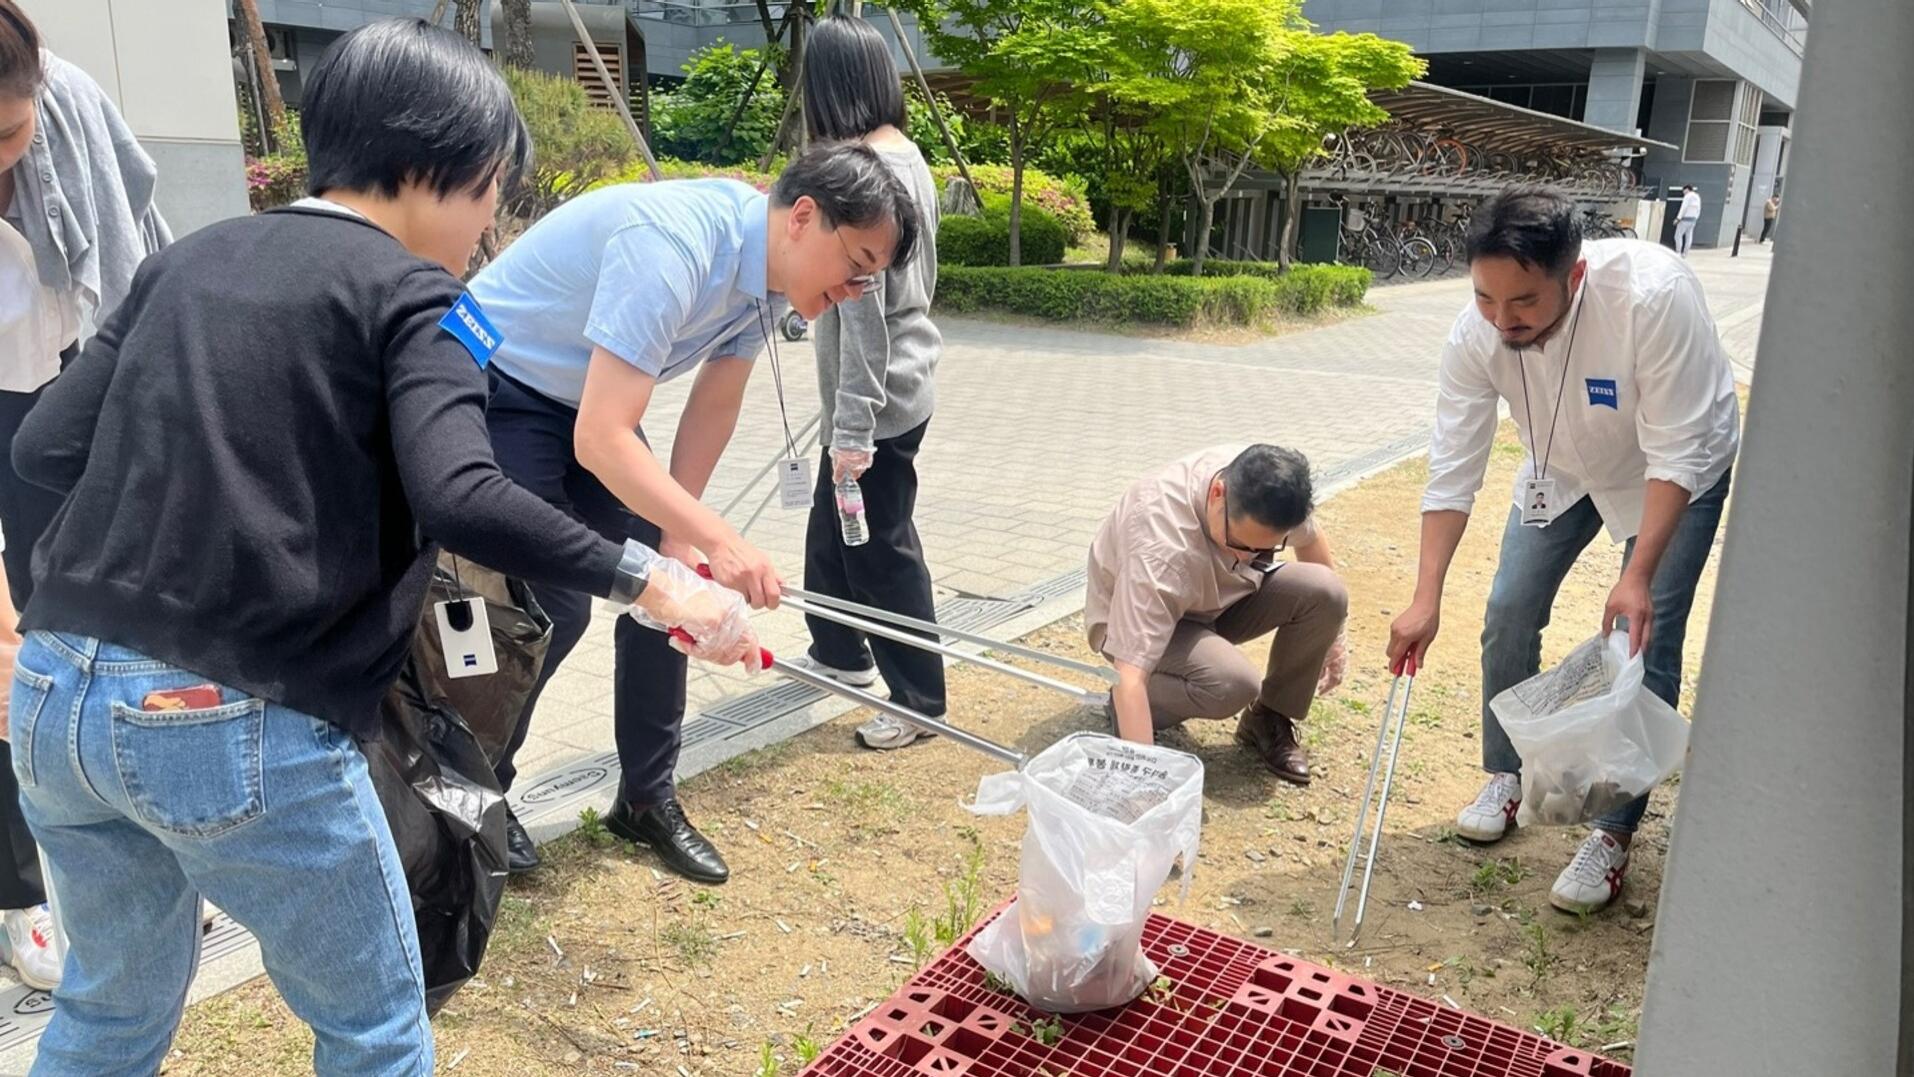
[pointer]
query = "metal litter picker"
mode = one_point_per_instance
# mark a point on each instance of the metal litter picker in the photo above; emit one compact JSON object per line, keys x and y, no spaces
{"x":1388,"y":733}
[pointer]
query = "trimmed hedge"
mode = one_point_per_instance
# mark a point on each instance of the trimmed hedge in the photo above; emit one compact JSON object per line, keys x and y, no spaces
{"x":1062,"y":197}
{"x":985,"y":241}
{"x":1086,"y":295}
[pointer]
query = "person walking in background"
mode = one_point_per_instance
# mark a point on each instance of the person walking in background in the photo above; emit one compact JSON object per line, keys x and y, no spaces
{"x":1686,"y":219}
{"x":1769,"y":211}
{"x":76,"y":196}
{"x":876,"y":368}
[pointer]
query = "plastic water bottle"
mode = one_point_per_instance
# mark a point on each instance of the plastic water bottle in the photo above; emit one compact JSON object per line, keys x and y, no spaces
{"x":850,"y":512}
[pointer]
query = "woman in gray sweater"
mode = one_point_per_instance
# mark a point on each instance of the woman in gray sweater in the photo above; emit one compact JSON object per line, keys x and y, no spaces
{"x":876,"y":366}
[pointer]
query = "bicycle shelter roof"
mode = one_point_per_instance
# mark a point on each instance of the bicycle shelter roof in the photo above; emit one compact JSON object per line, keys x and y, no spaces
{"x":1509,"y":128}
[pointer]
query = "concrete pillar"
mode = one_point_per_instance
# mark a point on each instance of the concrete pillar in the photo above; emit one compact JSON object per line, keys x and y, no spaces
{"x":1782,"y":940}
{"x":1615,"y":88}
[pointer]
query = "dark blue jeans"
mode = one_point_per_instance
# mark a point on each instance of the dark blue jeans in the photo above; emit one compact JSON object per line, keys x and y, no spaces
{"x":532,"y":438}
{"x":1534,"y":562}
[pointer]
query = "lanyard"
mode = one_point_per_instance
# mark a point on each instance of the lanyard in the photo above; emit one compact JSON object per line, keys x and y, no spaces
{"x":1521,"y":369}
{"x":777,"y":377}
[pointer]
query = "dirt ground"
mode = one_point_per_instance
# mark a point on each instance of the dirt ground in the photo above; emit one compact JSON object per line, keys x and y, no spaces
{"x":844,"y":861}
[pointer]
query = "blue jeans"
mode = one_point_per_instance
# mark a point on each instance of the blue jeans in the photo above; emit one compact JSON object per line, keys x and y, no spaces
{"x":1534,"y":562}
{"x":266,"y":811}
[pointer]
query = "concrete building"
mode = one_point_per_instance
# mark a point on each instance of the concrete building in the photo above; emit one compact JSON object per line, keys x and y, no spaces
{"x":169,"y":69}
{"x":1715,"y":78}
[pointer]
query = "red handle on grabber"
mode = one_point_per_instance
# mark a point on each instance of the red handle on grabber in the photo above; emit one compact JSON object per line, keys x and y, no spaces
{"x":1405,"y":665}
{"x":765,"y":657}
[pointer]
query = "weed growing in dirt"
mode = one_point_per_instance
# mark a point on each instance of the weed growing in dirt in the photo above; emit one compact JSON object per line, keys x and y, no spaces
{"x":1446,"y":835}
{"x":1301,"y":908}
{"x":691,"y":940}
{"x":1494,"y":875}
{"x":767,"y":1062}
{"x":1558,"y":1024}
{"x":870,"y":798}
{"x":963,"y":899}
{"x":1613,"y":1031}
{"x":591,"y":827}
{"x":917,"y":937}
{"x":706,"y":899}
{"x":1536,"y":956}
{"x":805,"y":1047}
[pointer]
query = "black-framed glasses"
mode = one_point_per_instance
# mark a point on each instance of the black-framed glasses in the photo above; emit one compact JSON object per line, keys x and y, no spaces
{"x":862,"y":279}
{"x":1258,"y":555}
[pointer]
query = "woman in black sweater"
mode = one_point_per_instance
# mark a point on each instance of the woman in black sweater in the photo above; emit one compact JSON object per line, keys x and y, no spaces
{"x":261,"y":452}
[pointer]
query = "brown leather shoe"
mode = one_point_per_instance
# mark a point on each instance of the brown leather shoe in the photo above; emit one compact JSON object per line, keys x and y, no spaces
{"x":1273,"y":737}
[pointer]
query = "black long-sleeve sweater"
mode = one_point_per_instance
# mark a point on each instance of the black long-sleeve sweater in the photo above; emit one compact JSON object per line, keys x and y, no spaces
{"x":260,"y":450}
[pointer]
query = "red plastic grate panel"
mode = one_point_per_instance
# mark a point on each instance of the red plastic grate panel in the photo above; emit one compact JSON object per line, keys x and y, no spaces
{"x":1236,"y":1010}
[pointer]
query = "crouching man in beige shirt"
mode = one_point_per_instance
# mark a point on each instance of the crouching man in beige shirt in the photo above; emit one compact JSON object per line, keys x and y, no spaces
{"x":1184,"y":570}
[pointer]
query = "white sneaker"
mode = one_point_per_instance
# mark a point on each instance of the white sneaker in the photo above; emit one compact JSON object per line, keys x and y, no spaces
{"x":1594,"y":877}
{"x":30,"y":946}
{"x":884,"y":733}
{"x":1489,"y":817}
{"x":856,"y":678}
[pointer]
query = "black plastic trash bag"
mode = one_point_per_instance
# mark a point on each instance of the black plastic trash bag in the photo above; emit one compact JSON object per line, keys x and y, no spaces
{"x":433,"y":773}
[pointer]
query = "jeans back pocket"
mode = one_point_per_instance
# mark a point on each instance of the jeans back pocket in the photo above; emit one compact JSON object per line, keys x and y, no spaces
{"x":196,"y":773}
{"x":27,"y":698}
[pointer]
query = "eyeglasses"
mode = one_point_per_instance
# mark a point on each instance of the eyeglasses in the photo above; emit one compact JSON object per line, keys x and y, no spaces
{"x":862,"y":279}
{"x":1259,"y":556}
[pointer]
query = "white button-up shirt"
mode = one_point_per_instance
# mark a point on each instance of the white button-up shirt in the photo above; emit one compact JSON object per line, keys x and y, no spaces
{"x":1647,"y":393}
{"x":36,"y":322}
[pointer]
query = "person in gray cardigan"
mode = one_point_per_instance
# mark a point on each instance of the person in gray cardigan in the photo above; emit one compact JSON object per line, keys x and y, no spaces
{"x":76,"y":220}
{"x":876,"y":368}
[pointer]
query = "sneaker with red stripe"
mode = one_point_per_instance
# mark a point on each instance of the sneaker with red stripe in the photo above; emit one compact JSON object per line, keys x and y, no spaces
{"x":1493,"y":812}
{"x":1594,"y":878}
{"x":30,"y":946}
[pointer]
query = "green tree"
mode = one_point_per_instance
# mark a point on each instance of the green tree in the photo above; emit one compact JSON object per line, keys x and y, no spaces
{"x":1328,"y":79}
{"x":1229,"y":84}
{"x":1030,"y":58}
{"x":575,"y":144}
{"x":689,"y":122}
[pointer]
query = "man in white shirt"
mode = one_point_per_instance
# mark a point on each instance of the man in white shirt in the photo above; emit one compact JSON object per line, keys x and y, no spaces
{"x":1686,"y":219}
{"x":1625,"y":403}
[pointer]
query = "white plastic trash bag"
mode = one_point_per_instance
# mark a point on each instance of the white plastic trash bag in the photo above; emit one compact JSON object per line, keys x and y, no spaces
{"x":1591,"y":737}
{"x":1107,"y":820}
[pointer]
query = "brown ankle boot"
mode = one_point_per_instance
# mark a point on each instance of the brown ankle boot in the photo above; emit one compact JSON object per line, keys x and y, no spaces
{"x":1273,"y":738}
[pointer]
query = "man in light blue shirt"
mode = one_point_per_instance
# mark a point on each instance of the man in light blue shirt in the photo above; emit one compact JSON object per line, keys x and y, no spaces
{"x":600,"y":301}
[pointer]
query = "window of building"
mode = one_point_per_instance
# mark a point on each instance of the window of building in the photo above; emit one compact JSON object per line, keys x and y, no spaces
{"x":1711,"y":116}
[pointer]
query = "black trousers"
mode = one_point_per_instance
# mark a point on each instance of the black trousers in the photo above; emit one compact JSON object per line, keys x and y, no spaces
{"x":532,"y":439}
{"x":1767,"y":228}
{"x":25,"y":512}
{"x":887,"y":572}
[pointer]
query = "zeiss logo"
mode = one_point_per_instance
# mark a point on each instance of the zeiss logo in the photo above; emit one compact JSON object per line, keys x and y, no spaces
{"x":471,"y":661}
{"x":1601,"y":393}
{"x":485,"y":339}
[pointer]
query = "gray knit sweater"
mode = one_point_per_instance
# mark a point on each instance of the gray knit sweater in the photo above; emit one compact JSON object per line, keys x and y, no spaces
{"x":877,"y":356}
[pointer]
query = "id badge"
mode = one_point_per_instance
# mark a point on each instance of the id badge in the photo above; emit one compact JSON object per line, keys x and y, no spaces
{"x":794,"y":482}
{"x":1538,"y":502}
{"x":465,"y":634}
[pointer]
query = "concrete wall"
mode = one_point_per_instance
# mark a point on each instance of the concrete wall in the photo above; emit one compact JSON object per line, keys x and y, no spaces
{"x":169,"y":69}
{"x":1479,"y":25}
{"x":1721,"y":186}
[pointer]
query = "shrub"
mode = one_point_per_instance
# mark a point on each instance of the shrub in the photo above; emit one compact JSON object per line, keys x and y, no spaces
{"x":985,"y":241}
{"x":574,"y":145}
{"x":276,"y":179}
{"x":1086,"y":295}
{"x":689,"y":122}
{"x":1062,"y":198}
{"x":1307,"y":288}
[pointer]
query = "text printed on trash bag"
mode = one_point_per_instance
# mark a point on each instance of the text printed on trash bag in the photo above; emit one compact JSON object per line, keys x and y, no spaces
{"x":1584,"y":674}
{"x":1120,"y":785}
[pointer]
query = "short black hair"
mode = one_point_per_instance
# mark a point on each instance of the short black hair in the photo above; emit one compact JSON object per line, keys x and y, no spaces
{"x":1533,"y":225}
{"x":401,"y":100}
{"x":851,"y":86}
{"x":1270,"y":485}
{"x":20,"y":71}
{"x":1687,"y":186}
{"x":851,"y":185}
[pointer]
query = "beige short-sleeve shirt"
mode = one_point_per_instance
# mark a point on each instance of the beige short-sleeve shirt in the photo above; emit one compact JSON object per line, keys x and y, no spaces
{"x":1153,"y":564}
